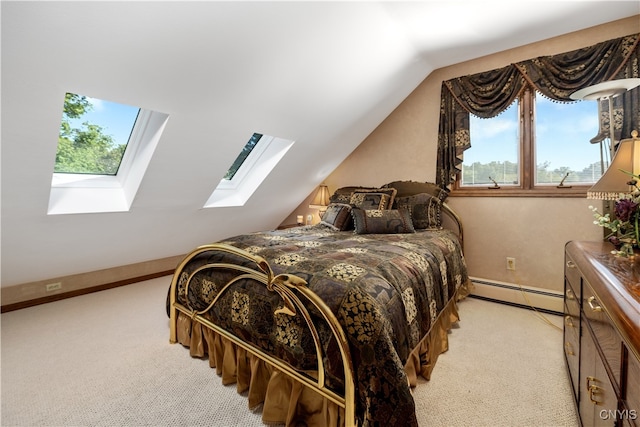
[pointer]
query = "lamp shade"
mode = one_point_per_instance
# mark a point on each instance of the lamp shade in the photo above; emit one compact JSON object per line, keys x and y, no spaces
{"x":321,"y":200}
{"x":605,"y":90}
{"x":614,"y":181}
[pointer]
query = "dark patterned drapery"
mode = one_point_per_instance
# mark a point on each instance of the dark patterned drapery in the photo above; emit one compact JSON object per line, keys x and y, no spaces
{"x":489,"y":93}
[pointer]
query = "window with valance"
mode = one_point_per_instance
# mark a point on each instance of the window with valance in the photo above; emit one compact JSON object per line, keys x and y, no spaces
{"x":487,"y":94}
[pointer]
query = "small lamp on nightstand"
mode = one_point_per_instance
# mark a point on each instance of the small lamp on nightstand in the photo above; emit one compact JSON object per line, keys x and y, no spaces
{"x":321,"y":200}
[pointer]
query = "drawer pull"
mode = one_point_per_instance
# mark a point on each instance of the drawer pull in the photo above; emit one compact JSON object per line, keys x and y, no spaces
{"x":593,"y":307}
{"x":593,"y":390}
{"x":570,"y":294}
{"x":569,"y":349}
{"x":571,"y":264}
{"x":568,"y":321}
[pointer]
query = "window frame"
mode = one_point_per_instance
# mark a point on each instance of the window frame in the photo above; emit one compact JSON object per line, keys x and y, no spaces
{"x":264,"y":157}
{"x":73,"y":193}
{"x":248,"y":164}
{"x":527,"y":159}
{"x":92,"y":180}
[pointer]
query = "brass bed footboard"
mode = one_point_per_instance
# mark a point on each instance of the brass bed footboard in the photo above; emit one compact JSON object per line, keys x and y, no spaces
{"x":295,"y":296}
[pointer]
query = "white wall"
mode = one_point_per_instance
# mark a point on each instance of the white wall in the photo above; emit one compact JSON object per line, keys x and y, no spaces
{"x":322,"y":74}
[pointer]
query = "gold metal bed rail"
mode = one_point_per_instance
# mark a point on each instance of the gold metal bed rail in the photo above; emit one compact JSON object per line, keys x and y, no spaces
{"x":285,"y":286}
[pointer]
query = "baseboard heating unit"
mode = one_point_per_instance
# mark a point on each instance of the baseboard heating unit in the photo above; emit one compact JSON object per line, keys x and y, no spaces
{"x":543,"y":300}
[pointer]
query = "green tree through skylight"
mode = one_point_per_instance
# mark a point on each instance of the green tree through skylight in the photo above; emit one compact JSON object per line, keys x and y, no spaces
{"x":85,"y":147}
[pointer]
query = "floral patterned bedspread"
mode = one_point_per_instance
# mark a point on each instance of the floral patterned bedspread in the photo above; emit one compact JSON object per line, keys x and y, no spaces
{"x":385,"y":289}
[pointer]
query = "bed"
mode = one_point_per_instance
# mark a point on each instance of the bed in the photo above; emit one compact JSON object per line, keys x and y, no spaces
{"x":329,"y":324}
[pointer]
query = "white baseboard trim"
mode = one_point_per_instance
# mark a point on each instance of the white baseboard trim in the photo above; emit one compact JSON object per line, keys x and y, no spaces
{"x":522,"y":296}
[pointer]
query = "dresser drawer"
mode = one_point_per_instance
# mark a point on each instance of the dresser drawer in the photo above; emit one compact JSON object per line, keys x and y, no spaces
{"x":572,"y":279}
{"x":571,"y":328}
{"x":632,"y":392}
{"x":572,"y":348}
{"x":572,"y":307}
{"x":598,"y":400}
{"x":608,"y":340}
{"x":603,"y":329}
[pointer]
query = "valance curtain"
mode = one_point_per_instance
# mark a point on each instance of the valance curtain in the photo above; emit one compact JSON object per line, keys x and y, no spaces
{"x":489,"y":93}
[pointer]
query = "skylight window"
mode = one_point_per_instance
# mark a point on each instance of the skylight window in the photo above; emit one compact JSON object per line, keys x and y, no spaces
{"x":253,"y":141}
{"x":254,"y":163}
{"x":104,"y":149}
{"x":94,"y":135}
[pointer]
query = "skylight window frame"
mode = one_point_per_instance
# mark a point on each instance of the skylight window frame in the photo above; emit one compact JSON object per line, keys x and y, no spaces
{"x":92,"y":193}
{"x":90,"y":180}
{"x":248,"y":165}
{"x":264,"y":157}
{"x":233,"y":170}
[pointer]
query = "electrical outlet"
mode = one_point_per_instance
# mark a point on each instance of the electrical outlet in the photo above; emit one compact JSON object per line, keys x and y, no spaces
{"x":54,"y":286}
{"x":511,"y":263}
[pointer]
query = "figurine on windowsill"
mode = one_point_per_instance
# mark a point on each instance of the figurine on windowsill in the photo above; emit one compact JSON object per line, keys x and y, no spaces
{"x":495,"y":184}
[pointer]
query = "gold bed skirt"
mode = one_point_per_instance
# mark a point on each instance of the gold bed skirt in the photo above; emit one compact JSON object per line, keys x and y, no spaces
{"x":284,"y":400}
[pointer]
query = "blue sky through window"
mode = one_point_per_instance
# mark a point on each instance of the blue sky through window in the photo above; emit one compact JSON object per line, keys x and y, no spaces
{"x":563,"y":134}
{"x":117,"y":120}
{"x":95,"y":142}
{"x":564,"y":131}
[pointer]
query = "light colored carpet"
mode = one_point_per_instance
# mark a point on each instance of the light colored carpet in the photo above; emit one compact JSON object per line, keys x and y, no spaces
{"x":104,"y":359}
{"x":505,"y":367}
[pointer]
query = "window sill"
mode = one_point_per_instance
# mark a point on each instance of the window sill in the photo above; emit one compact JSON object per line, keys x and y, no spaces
{"x":250,"y":175}
{"x":574,"y":191}
{"x":86,"y":193}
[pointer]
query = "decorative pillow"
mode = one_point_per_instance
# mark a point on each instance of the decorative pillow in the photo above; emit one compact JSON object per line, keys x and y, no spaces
{"x":373,"y":199}
{"x":343,"y":194}
{"x":338,"y":217}
{"x":424,"y":208}
{"x":340,"y":198}
{"x":410,"y":188}
{"x":387,"y":221}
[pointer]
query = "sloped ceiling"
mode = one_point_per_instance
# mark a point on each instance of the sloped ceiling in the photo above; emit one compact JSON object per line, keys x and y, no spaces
{"x":323,"y":74}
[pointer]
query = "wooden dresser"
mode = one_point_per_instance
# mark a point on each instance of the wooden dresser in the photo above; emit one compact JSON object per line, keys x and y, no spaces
{"x":602,"y":333}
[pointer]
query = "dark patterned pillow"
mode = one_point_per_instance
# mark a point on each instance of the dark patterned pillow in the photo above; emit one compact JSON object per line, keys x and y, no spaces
{"x":373,"y":199}
{"x":424,"y":208}
{"x":340,"y":198}
{"x":386,"y":221}
{"x":343,"y":194}
{"x":338,"y":217}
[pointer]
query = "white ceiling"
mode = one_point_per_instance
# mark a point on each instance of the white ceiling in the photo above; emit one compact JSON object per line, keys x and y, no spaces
{"x":323,"y":74}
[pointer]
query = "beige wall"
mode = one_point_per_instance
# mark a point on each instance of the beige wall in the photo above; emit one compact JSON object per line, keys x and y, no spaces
{"x":532,"y":230}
